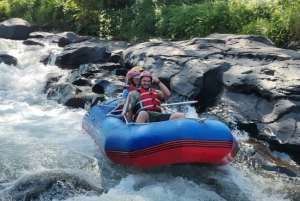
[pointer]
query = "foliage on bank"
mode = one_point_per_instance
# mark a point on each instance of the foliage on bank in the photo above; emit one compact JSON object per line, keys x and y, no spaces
{"x":181,"y":19}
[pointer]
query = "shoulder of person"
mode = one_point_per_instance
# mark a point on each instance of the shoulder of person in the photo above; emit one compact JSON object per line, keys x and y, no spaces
{"x":126,"y":89}
{"x":135,"y":93}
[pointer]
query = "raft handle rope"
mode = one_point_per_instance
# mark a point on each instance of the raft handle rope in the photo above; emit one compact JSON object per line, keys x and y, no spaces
{"x":114,"y":110}
{"x":118,"y":115}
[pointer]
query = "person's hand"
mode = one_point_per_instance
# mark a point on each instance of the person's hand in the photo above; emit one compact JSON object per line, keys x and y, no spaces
{"x":156,"y":80}
{"x":121,"y":105}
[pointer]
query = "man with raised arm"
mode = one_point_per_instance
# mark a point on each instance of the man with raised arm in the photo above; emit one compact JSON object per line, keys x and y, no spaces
{"x":146,"y":101}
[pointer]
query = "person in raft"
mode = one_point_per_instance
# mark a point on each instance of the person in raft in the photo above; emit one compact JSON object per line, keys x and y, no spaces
{"x":132,"y":82}
{"x":146,"y":102}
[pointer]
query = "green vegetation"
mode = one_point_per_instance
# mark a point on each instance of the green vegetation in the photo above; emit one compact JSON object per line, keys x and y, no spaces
{"x":181,"y":19}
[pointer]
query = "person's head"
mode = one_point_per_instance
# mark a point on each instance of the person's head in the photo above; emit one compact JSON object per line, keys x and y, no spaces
{"x":138,"y":68}
{"x":145,"y":79}
{"x":133,"y":77}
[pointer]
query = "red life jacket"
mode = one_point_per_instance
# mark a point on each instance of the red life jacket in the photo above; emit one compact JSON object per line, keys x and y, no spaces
{"x":149,"y":101}
{"x":130,"y":87}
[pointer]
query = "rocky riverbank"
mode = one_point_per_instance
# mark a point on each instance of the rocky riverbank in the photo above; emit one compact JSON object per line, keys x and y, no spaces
{"x":255,"y":85}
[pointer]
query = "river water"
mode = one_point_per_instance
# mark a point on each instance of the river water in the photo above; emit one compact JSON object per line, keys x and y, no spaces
{"x":46,"y":155}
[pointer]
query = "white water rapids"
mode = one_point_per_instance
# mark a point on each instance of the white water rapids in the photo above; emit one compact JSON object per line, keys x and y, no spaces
{"x":46,"y":155}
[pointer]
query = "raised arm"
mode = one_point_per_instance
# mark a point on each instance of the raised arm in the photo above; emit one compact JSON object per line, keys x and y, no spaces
{"x":165,"y":91}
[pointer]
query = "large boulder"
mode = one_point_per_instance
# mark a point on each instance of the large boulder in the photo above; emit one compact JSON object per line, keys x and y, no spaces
{"x":15,"y":28}
{"x":95,"y":51}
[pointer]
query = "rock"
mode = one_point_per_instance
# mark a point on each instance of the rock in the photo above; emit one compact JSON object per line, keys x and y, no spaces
{"x":100,"y":86}
{"x":34,"y":27}
{"x":76,"y":54}
{"x":31,"y":42}
{"x":92,"y":51}
{"x":40,"y":34}
{"x":7,"y":59}
{"x":15,"y":28}
{"x":31,"y":186}
{"x":46,"y":27}
{"x":63,"y":92}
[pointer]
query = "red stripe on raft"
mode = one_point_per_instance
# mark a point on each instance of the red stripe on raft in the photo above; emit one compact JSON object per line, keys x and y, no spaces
{"x":181,"y":151}
{"x":172,"y":144}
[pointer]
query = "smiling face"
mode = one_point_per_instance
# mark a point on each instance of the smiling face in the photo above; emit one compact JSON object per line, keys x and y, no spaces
{"x":136,"y":80}
{"x":145,"y":82}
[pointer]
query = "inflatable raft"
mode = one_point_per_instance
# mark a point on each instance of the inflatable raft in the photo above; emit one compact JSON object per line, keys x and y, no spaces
{"x":179,"y":141}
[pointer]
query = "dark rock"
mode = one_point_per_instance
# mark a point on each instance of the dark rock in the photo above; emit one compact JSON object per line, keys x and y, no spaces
{"x":115,"y":56}
{"x":34,"y":28}
{"x":32,"y":186}
{"x":100,"y":86}
{"x":76,"y":54}
{"x":97,"y":100}
{"x":62,"y":42}
{"x":75,"y":102}
{"x":40,"y":34}
{"x":51,"y":81}
{"x":63,"y":92}
{"x":121,"y":71}
{"x":46,"y":27}
{"x":81,"y":82}
{"x":66,"y":38}
{"x":7,"y":59}
{"x":292,"y":45}
{"x":107,"y":66}
{"x":15,"y":28}
{"x":266,"y":165}
{"x":46,"y":60}
{"x":30,"y":42}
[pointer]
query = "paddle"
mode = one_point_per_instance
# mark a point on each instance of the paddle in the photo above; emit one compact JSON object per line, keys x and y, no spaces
{"x":180,"y":103}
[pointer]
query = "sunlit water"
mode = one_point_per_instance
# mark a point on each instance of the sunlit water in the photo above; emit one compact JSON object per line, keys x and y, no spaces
{"x":45,"y":151}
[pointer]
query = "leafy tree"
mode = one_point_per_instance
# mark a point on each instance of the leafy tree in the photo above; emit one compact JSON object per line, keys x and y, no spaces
{"x":4,"y":10}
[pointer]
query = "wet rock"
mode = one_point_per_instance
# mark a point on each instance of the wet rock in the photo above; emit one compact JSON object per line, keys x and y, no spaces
{"x":34,"y":27}
{"x":7,"y":59}
{"x":34,"y":186}
{"x":46,"y":27}
{"x":40,"y":34}
{"x":63,"y":92}
{"x":121,"y":72}
{"x":268,"y":166}
{"x":46,"y":60}
{"x":15,"y":28}
{"x":92,"y":51}
{"x":77,"y":79}
{"x":85,"y":100}
{"x":76,"y":54}
{"x":51,"y":81}
{"x":31,"y":42}
{"x":107,"y":66}
{"x":100,"y":86}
